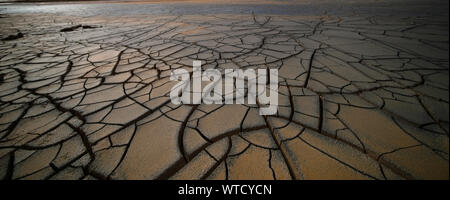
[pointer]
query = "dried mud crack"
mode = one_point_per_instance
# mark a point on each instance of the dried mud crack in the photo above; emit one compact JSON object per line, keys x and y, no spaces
{"x":361,"y":97}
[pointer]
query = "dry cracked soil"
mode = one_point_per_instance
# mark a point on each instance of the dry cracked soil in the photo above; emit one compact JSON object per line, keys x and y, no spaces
{"x":84,"y":93}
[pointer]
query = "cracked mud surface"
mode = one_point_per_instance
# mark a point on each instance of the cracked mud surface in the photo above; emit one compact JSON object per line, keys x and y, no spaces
{"x":361,"y":97}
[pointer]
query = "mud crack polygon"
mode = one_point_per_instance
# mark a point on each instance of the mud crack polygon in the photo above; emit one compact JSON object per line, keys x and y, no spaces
{"x":361,"y":97}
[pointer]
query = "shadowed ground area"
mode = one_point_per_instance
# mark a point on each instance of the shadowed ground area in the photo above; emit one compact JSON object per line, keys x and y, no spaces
{"x":363,"y":90}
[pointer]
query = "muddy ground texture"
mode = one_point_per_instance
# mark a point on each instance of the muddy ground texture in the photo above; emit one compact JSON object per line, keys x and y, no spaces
{"x":361,"y":97}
